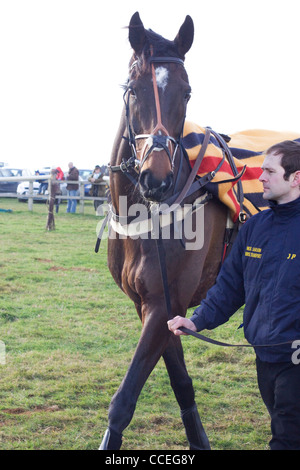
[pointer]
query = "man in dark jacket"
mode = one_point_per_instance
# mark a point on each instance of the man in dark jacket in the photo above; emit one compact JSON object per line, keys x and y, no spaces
{"x":72,"y":188}
{"x":263,"y":272}
{"x":97,"y":188}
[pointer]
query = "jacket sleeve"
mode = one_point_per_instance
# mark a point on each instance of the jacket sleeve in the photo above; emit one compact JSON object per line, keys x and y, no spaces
{"x":227,"y":295}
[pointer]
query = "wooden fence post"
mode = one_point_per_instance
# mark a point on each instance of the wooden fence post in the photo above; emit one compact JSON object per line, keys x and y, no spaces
{"x":52,"y":193}
{"x":30,"y":196}
{"x":81,"y":202}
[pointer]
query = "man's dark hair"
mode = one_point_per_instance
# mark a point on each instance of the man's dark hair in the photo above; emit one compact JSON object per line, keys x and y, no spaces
{"x":290,"y":156}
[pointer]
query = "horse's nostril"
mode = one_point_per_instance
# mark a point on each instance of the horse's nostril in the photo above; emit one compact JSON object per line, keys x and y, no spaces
{"x":153,"y":188}
{"x":144,"y":179}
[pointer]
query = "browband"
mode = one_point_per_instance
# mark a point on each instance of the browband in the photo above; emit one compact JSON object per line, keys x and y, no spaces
{"x":174,"y":60}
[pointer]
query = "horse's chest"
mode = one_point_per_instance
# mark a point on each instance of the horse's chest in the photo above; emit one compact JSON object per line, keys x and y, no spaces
{"x":141,"y":273}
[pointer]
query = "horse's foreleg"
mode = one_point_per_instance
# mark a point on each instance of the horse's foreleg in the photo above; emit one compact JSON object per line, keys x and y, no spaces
{"x":153,"y":341}
{"x":184,"y":392}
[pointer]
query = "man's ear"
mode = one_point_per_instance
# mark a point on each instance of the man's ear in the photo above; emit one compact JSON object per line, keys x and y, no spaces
{"x":296,"y":179}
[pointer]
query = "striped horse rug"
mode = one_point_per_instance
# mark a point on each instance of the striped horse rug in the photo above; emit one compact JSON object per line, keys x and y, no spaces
{"x":248,"y":149}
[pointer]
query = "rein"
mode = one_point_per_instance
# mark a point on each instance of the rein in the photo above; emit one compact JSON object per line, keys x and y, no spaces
{"x":220,"y":343}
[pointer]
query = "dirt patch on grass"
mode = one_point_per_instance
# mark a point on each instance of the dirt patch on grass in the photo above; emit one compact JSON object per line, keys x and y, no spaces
{"x":62,"y":268}
{"x":44,"y":260}
{"x":36,"y":409}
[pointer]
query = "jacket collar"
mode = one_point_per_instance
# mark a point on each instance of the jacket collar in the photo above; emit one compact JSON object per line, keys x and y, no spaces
{"x":288,"y":208}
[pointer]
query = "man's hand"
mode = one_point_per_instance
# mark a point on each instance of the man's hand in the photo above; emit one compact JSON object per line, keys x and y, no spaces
{"x":177,"y":322}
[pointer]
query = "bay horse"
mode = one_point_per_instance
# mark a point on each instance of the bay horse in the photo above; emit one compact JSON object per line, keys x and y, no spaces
{"x":149,"y":166}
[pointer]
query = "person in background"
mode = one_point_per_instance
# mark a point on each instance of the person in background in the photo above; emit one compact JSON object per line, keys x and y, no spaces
{"x":60,"y":174}
{"x":72,"y":187}
{"x":98,"y":188}
{"x":262,"y":272}
{"x":59,"y":177}
{"x":43,"y":183}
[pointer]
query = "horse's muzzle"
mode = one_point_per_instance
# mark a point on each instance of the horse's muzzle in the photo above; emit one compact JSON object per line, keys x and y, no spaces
{"x":154,"y":189}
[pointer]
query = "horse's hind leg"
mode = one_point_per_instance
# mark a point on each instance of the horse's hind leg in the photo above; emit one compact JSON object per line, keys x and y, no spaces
{"x":184,"y":392}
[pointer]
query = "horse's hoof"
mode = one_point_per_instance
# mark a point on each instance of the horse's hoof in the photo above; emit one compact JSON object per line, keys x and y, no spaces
{"x":111,"y":440}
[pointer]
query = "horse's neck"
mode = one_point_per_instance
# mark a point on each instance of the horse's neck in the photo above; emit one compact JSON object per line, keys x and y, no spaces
{"x":120,"y":145}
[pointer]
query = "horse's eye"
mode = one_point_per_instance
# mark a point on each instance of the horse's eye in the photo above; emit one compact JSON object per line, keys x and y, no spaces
{"x":187,"y":96}
{"x":132,"y":93}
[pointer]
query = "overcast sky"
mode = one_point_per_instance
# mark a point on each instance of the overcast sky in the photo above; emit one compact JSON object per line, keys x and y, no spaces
{"x":63,"y":61}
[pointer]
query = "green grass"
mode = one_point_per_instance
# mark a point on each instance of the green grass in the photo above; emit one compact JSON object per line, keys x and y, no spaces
{"x":70,"y":333}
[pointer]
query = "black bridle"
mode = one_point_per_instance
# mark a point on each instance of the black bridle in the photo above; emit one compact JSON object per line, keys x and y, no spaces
{"x":159,"y":138}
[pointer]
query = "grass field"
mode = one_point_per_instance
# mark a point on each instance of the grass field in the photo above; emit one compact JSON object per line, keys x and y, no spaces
{"x":70,"y":333}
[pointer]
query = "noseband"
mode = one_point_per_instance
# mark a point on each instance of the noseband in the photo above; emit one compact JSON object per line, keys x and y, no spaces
{"x":159,"y":138}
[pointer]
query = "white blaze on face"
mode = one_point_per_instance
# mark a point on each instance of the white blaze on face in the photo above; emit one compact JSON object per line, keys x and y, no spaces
{"x":162,"y":75}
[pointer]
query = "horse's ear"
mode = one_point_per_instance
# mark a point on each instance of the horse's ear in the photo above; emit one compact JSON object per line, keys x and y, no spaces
{"x":185,"y":37}
{"x":136,"y":33}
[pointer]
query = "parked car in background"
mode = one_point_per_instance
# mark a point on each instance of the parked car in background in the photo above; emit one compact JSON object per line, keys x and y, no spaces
{"x":23,"y":187}
{"x":84,"y":176}
{"x":7,"y":172}
{"x":23,"y":190}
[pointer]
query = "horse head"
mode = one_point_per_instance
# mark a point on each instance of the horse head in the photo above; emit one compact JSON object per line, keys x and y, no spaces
{"x":156,"y":97}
